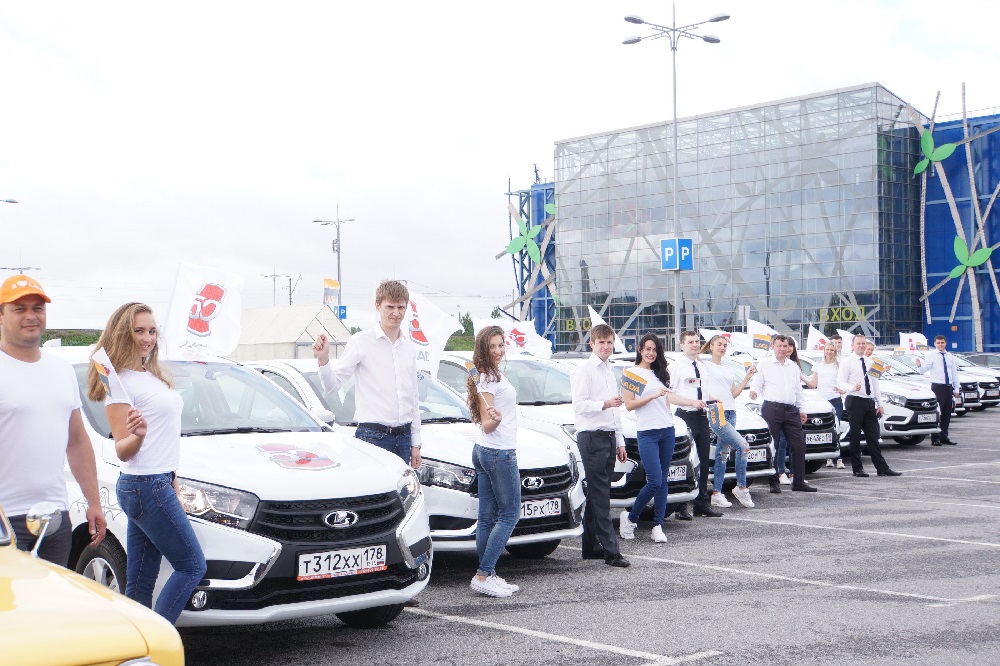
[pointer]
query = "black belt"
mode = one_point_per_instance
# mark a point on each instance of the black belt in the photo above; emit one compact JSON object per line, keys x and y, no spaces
{"x":862,"y":397}
{"x":778,"y":404}
{"x":387,"y":430}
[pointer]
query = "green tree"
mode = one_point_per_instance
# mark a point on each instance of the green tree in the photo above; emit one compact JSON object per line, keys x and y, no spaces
{"x":496,"y":314}
{"x":466,"y":321}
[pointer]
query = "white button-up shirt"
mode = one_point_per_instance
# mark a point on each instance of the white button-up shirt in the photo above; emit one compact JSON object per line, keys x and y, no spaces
{"x":386,"y":388}
{"x":778,"y":382}
{"x":934,"y":363}
{"x":851,"y":374}
{"x":592,"y":383}
{"x":685,"y":382}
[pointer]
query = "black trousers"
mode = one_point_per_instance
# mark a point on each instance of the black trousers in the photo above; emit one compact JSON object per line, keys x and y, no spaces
{"x":862,"y":417}
{"x":598,"y":449}
{"x":785,"y":418}
{"x":56,"y":545}
{"x":700,"y":431}
{"x":945,"y":394}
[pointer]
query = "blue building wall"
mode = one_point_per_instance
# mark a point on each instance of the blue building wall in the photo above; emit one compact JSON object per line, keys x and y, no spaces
{"x":543,"y":308}
{"x":940,"y":233}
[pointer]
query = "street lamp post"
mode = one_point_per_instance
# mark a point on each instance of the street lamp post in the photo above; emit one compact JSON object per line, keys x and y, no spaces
{"x":674,"y":32}
{"x":336,"y":248}
{"x":274,"y":286}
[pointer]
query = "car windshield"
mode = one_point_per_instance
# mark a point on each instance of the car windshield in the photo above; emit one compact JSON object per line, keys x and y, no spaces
{"x":438,"y":403}
{"x":538,"y":383}
{"x":219,"y":398}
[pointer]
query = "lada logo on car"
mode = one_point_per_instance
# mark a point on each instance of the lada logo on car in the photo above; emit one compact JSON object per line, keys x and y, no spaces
{"x":341,"y":519}
{"x":817,"y":421}
{"x":925,"y":404}
{"x":533,"y":482}
{"x":751,"y":438}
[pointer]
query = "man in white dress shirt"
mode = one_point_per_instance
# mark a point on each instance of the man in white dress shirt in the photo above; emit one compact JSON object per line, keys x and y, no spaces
{"x":778,"y":382}
{"x":598,"y":421}
{"x":944,"y":383}
{"x":863,"y":407}
{"x":385,"y":364}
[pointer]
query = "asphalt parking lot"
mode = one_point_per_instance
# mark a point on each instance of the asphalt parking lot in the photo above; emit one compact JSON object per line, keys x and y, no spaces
{"x":865,"y":571}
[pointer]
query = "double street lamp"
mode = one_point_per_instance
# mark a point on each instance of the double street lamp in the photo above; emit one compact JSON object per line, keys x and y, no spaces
{"x":336,"y":248}
{"x":674,"y":33}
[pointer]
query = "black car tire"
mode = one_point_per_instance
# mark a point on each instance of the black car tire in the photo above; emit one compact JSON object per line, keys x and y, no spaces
{"x":533,"y":551}
{"x":105,"y":564}
{"x":813,"y":466}
{"x":371,"y":617}
{"x":910,"y":440}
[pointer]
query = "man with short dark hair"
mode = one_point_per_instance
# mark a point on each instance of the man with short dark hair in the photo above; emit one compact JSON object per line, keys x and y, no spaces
{"x":685,"y":381}
{"x":863,"y":406}
{"x":838,"y":342}
{"x":596,"y":399}
{"x":40,"y":425}
{"x":778,"y":382}
{"x":944,"y":384}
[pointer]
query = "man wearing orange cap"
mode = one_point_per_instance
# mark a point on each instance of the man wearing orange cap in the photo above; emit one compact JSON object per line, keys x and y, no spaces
{"x":40,"y":424}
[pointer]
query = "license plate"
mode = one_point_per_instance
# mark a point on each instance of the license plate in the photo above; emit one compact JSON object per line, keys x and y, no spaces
{"x":677,"y":473}
{"x":926,"y":418}
{"x":992,"y":394}
{"x":819,"y":438}
{"x":757,"y":455}
{"x":337,"y":563}
{"x":971,"y":396}
{"x":541,"y":508}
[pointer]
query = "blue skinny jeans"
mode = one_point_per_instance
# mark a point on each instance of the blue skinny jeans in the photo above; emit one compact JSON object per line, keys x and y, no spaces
{"x":499,"y":503}
{"x":728,"y":439}
{"x":656,"y":449}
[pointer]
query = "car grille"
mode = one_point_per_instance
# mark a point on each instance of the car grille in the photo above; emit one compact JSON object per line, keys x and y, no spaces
{"x":302,"y":521}
{"x":546,"y":524}
{"x":970,"y":386}
{"x":555,"y":480}
{"x":756,"y":436}
{"x":989,"y":385}
{"x":926,"y":405}
{"x":281,"y":591}
{"x":820,"y":421}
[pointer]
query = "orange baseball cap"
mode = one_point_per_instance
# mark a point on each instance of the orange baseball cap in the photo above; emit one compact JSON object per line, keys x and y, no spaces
{"x":19,"y":286}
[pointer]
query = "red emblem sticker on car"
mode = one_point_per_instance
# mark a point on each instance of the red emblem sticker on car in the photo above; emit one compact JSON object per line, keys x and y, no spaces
{"x":295,"y":457}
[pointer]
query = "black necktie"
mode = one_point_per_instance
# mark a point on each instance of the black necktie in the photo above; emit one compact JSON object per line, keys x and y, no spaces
{"x":944,"y":360}
{"x":864,"y":369}
{"x":698,"y":376}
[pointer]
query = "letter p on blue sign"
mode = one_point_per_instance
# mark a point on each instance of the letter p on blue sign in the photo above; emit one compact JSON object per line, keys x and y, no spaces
{"x":676,"y":254}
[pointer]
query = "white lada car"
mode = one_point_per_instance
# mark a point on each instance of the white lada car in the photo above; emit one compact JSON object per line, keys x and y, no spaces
{"x":551,"y":492}
{"x":295,"y":520}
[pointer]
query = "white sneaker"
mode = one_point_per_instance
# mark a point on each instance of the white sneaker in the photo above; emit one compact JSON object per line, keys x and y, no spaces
{"x":503,"y":583}
{"x":829,"y":463}
{"x":718,"y":499}
{"x":658,"y":536}
{"x":742,"y":496}
{"x":784,"y":480}
{"x":490,"y":587}
{"x":626,"y":528}
{"x":840,"y":464}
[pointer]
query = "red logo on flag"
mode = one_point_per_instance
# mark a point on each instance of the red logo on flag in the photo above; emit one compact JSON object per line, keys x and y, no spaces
{"x":516,"y":338}
{"x":415,"y":333}
{"x":205,"y":308}
{"x":292,"y":457}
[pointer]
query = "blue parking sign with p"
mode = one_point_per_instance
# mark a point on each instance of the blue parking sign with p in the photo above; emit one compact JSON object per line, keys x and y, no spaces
{"x":340,"y":311}
{"x":676,"y":254}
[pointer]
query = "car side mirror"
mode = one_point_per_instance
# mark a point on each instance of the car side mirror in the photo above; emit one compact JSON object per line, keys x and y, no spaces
{"x":43,"y":518}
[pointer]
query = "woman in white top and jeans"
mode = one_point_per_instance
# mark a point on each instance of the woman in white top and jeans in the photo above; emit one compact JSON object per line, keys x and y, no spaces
{"x":654,"y":421}
{"x":718,"y":384}
{"x":147,"y":437}
{"x":824,"y":380}
{"x":493,"y":404}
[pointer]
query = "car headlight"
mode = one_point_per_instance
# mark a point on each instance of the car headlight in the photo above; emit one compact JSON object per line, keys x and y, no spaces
{"x":894,"y":399}
{"x":217,"y":504}
{"x":446,"y":475}
{"x":754,"y":407}
{"x":408,"y":488}
{"x":569,"y":429}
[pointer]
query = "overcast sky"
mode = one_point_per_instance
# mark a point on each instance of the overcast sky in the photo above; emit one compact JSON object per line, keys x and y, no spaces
{"x":137,"y":135}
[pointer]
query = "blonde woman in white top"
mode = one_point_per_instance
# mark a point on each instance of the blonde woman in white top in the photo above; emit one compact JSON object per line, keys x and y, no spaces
{"x":824,"y":380}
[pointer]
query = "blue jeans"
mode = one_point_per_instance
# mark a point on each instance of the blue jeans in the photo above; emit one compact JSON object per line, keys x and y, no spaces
{"x":398,"y":444}
{"x":656,"y":449}
{"x":499,"y":503}
{"x":157,"y":528}
{"x":728,"y":439}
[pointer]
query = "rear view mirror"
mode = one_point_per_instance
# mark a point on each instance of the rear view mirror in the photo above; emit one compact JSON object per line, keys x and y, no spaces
{"x":42,"y":518}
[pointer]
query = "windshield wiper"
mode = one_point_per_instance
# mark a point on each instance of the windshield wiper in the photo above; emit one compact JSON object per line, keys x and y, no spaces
{"x":239,"y":431}
{"x":446,"y":419}
{"x":539,"y":403}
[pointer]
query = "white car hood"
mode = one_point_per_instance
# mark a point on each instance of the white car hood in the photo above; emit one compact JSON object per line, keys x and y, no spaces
{"x":453,"y":442}
{"x":290,"y":465}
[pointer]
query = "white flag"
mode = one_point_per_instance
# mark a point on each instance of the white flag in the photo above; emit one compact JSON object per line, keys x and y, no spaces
{"x":596,"y":319}
{"x":203,"y":318}
{"x":106,"y":373}
{"x":429,"y":328}
{"x":760,"y":334}
{"x":520,"y":336}
{"x":847,"y":338}
{"x":911,"y":341}
{"x":816,"y":341}
{"x":708,"y":333}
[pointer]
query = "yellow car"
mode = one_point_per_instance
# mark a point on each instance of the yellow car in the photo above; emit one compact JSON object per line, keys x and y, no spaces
{"x":50,"y":616}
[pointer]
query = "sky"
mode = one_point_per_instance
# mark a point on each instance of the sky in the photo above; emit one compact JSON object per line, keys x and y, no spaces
{"x":139,"y":135}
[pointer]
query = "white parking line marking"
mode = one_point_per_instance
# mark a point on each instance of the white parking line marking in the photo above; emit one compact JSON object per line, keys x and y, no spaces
{"x":806,"y":581}
{"x":919,"y":501}
{"x":955,"y":602}
{"x":876,"y":532}
{"x":651,"y":658}
{"x":948,"y":478}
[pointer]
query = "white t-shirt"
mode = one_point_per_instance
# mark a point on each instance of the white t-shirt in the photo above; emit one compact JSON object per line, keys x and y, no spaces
{"x":826,"y":375}
{"x":161,"y":406}
{"x":656,"y":414}
{"x":505,"y":402}
{"x":718,"y":385}
{"x":36,"y":402}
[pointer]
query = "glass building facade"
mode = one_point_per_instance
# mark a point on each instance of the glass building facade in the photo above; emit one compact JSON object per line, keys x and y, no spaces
{"x":802,"y":211}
